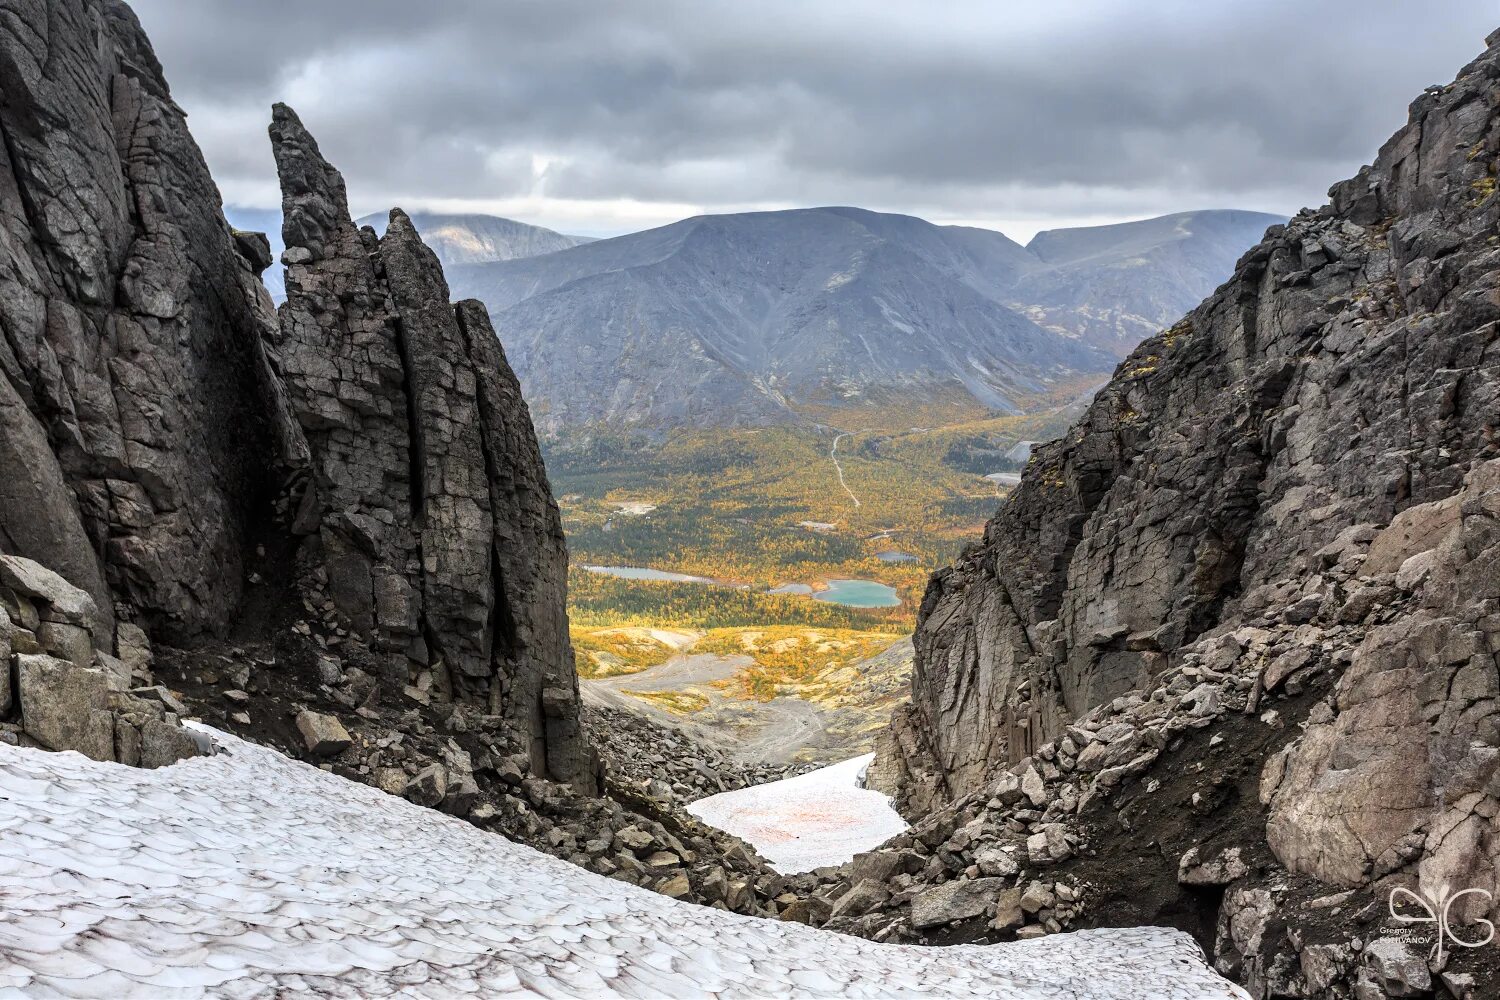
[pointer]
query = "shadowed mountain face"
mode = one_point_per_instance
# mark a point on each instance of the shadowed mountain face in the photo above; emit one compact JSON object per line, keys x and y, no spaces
{"x":744,"y":319}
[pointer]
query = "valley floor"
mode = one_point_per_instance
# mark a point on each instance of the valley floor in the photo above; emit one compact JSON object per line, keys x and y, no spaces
{"x":774,"y":695}
{"x":247,"y":874}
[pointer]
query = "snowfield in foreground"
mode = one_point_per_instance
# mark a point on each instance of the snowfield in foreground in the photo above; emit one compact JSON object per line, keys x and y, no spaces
{"x":251,"y":875}
{"x":820,"y":818}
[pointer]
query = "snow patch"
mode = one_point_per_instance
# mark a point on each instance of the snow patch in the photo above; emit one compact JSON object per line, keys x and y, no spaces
{"x":824,"y":817}
{"x":251,"y":875}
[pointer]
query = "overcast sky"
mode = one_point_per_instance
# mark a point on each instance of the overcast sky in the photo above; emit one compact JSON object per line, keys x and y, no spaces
{"x":600,"y":118}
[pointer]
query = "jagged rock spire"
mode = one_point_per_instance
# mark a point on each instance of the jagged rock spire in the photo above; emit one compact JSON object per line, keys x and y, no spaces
{"x":427,"y":507}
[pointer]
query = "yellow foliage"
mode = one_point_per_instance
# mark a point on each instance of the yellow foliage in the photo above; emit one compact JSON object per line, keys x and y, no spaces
{"x":785,"y":655}
{"x":676,"y":702}
{"x":610,"y":652}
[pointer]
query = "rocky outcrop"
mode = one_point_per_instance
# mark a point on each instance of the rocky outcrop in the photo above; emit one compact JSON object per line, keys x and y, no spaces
{"x":60,"y":691}
{"x":425,"y":508}
{"x":162,"y":428}
{"x":1279,"y":514}
{"x":1346,"y":373}
{"x":135,"y":434}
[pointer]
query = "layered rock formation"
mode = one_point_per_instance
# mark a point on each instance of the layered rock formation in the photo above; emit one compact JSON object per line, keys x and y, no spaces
{"x":1292,"y":493}
{"x":135,"y":435}
{"x":162,"y":427}
{"x":426,"y":500}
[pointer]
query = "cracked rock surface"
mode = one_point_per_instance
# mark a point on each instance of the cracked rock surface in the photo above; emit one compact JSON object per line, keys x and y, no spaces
{"x":162,"y":428}
{"x":1281,"y":509}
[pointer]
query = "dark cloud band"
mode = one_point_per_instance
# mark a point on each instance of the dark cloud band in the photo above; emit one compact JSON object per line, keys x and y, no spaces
{"x":954,"y":110}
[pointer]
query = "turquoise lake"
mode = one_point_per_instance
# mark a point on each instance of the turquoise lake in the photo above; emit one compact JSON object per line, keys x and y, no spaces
{"x":859,"y":594}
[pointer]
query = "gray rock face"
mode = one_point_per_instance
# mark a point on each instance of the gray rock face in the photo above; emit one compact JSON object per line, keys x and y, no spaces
{"x":427,"y":503}
{"x":121,"y":292}
{"x":1345,"y":374}
{"x":1404,"y":766}
{"x":159,"y":421}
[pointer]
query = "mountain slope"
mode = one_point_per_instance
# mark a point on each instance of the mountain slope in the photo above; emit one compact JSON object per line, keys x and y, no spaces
{"x":753,"y":318}
{"x":478,"y":239}
{"x":738,"y":319}
{"x":1116,"y":285}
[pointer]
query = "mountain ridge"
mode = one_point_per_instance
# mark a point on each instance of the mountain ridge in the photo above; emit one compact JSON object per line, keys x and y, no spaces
{"x":455,"y":237}
{"x":830,"y":307}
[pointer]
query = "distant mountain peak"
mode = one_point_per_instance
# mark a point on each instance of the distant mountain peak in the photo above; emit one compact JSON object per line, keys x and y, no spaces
{"x":471,"y":238}
{"x":763,"y":317}
{"x":456,"y":238}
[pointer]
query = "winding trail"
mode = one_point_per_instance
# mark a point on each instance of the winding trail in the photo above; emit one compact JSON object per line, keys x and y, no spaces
{"x":833,"y":453}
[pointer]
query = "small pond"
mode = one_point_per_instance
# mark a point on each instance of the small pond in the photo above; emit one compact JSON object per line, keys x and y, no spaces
{"x":859,"y":594}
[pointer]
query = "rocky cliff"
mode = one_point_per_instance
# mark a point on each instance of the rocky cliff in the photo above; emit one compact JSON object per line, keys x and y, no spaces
{"x":163,"y":428}
{"x":1280,"y":514}
{"x":326,"y":529}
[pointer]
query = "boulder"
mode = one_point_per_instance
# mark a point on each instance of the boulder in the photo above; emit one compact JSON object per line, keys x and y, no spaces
{"x":1222,"y":868}
{"x":428,"y":786}
{"x":323,"y":735}
{"x":1048,"y":845}
{"x":1397,"y":967}
{"x":1009,"y":914}
{"x":1033,"y":787}
{"x":64,"y":706}
{"x":676,"y":886}
{"x":995,"y":861}
{"x":133,"y":648}
{"x":164,"y":743}
{"x":865,"y":895}
{"x":66,"y":603}
{"x":633,"y":838}
{"x":1037,"y":896}
{"x":68,"y":642}
{"x":954,"y":901}
{"x":881,"y":865}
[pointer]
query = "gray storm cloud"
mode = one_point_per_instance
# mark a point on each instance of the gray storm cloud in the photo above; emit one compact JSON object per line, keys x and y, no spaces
{"x":601,"y":117}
